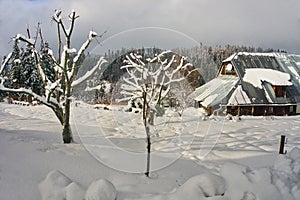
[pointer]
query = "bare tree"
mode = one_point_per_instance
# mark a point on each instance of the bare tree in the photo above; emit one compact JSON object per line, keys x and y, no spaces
{"x":151,"y":82}
{"x":58,"y":93}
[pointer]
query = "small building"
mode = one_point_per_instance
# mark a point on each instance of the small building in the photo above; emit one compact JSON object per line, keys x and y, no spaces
{"x":253,"y":84}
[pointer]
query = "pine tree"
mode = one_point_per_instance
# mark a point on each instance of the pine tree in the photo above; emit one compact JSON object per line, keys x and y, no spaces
{"x":29,"y":71}
{"x":47,"y":62}
{"x":15,"y":75}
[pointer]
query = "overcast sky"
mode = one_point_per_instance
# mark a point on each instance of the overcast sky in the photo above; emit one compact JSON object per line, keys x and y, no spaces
{"x":265,"y":23}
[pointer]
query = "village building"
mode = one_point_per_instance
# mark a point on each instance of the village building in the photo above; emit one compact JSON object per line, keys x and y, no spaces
{"x":253,"y":84}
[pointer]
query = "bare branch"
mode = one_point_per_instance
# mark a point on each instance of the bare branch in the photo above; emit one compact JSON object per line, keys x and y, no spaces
{"x":72,"y":17}
{"x":41,"y":35}
{"x":28,"y":32}
{"x":100,"y":36}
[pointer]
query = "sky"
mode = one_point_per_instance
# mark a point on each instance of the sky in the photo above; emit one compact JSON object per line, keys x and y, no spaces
{"x":163,"y":23}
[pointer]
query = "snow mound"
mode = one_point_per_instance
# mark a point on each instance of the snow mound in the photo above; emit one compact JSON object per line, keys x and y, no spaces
{"x":74,"y":192}
{"x":101,"y":189}
{"x":251,"y":184}
{"x":280,"y":181}
{"x":57,"y":186}
{"x":294,"y":154}
{"x":191,"y":111}
{"x":52,"y":187}
{"x":286,"y":174}
{"x":201,"y":186}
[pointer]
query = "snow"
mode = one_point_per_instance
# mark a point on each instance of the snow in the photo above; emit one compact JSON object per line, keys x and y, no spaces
{"x":215,"y":90}
{"x":243,"y":181}
{"x":57,"y":16}
{"x":92,"y":34}
{"x":209,"y":100}
{"x":243,"y":164}
{"x":101,"y":190}
{"x":203,"y":185}
{"x":5,"y":62}
{"x":238,"y":97}
{"x":54,"y":185}
{"x":73,"y":50}
{"x":256,"y":54}
{"x":256,"y":76}
{"x":229,"y":58}
{"x":293,"y":70}
{"x":17,"y":61}
{"x":84,"y":46}
{"x":23,"y":38}
{"x":104,"y":85}
{"x":89,"y":73}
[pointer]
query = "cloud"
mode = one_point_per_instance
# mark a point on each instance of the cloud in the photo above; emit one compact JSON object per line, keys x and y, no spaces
{"x":268,"y":23}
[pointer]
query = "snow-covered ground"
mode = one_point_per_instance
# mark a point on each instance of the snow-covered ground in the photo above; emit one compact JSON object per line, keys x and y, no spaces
{"x":192,"y":158}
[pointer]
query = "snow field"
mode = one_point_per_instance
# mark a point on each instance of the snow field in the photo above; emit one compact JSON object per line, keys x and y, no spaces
{"x":243,"y":163}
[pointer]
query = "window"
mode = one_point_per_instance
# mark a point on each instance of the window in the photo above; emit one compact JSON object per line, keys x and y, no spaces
{"x":227,"y":69}
{"x":271,"y":110}
{"x":279,"y":91}
{"x":291,"y":109}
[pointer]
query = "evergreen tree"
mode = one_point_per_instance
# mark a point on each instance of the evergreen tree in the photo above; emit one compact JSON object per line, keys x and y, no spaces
{"x":47,"y":62}
{"x":15,"y":75}
{"x":29,"y":71}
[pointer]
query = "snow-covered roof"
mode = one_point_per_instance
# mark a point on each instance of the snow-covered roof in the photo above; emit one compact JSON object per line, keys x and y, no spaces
{"x":256,"y":73}
{"x":236,"y":55}
{"x":239,"y":97}
{"x":213,"y":92}
{"x":256,"y":76}
{"x":277,"y":69}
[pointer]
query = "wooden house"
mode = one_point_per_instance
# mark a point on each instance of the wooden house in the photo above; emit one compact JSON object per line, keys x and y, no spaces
{"x":253,"y":84}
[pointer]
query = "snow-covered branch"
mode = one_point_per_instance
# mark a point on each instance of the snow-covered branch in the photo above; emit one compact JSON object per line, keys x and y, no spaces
{"x":5,"y":62}
{"x":154,"y":77}
{"x":51,"y":102}
{"x":85,"y":45}
{"x":89,"y":73}
{"x":24,"y":39}
{"x":57,"y":68}
{"x":56,"y":17}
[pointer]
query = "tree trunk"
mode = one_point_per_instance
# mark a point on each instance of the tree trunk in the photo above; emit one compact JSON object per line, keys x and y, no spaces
{"x":151,"y":117}
{"x":148,"y":151}
{"x":147,"y":129}
{"x":67,"y":132}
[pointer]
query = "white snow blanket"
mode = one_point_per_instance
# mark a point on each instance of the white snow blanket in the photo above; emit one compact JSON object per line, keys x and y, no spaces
{"x":256,"y":76}
{"x":243,"y":163}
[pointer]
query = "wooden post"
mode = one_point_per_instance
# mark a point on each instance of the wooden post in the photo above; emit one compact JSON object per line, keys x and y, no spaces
{"x":282,"y":142}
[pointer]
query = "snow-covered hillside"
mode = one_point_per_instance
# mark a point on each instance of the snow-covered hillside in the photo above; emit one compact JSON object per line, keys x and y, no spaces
{"x":192,"y":159}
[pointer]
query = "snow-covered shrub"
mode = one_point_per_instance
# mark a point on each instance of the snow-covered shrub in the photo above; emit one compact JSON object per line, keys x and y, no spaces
{"x":57,"y":186}
{"x":74,"y":192}
{"x":101,"y":190}
{"x":134,"y":105}
{"x":52,"y":187}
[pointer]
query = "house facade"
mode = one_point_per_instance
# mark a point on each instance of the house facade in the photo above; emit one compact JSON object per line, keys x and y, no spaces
{"x":253,"y":84}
